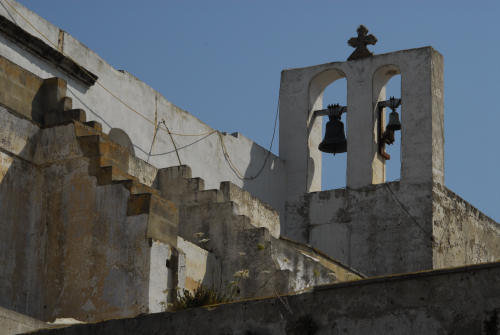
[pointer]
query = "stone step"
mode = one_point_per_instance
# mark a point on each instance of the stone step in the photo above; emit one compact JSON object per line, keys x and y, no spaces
{"x":60,"y":118}
{"x":211,"y":225}
{"x":174,"y":172}
{"x":66,"y":104}
{"x":106,"y":152}
{"x":89,"y":144}
{"x":163,"y":216}
{"x":109,"y":174}
{"x":273,"y":265}
{"x":88,"y":128}
{"x":176,"y":184}
{"x":201,"y":197}
{"x":82,"y":129}
{"x":95,"y":125}
{"x":195,"y":184}
{"x":136,"y":187}
{"x":260,"y":213}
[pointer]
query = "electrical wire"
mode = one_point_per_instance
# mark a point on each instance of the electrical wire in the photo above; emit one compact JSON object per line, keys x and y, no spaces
{"x":405,"y":210}
{"x":268,"y":154}
{"x":185,"y":146}
{"x":173,"y":142}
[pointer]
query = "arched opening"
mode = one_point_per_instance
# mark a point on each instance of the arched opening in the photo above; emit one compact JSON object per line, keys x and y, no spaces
{"x":120,"y":137}
{"x":387,"y":84}
{"x":334,"y":167}
{"x":393,"y":166}
{"x":327,"y":88}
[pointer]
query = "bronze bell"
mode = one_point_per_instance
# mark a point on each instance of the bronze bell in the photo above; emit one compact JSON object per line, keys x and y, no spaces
{"x":334,"y":141}
{"x":394,"y":123}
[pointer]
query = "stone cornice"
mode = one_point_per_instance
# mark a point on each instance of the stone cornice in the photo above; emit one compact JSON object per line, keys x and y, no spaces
{"x":39,"y":48}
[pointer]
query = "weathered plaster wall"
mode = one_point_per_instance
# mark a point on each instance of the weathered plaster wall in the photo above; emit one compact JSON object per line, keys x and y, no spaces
{"x":197,"y":266}
{"x":68,"y":247}
{"x":270,"y":265}
{"x":103,"y":265}
{"x":456,"y":301}
{"x":22,"y":240}
{"x":394,"y":228}
{"x":380,"y":229}
{"x":206,"y":156}
{"x":462,"y":234}
{"x":97,"y":257}
{"x":162,"y":279}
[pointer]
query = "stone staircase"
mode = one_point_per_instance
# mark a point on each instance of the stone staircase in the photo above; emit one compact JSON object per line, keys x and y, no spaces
{"x":177,"y":184}
{"x":108,"y":162}
{"x":239,"y":229}
{"x":111,"y":234}
{"x":243,"y":233}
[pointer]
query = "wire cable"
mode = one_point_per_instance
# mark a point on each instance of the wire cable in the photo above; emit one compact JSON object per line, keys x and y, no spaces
{"x":173,"y":142}
{"x":405,"y":210}
{"x":268,"y":154}
{"x":185,"y":146}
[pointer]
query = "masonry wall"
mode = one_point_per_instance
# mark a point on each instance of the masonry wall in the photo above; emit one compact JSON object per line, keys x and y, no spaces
{"x":205,"y":156}
{"x":68,"y":247}
{"x":22,"y":238}
{"x":380,"y":229}
{"x":394,"y":228}
{"x":455,"y":301}
{"x":463,"y":235}
{"x":97,"y":258}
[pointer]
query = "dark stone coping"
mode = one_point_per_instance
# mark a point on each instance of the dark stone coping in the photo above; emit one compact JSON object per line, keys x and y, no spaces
{"x":41,"y":49}
{"x":409,"y":276}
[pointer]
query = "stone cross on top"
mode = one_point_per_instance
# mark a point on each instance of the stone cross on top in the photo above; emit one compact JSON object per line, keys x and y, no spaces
{"x":360,"y":44}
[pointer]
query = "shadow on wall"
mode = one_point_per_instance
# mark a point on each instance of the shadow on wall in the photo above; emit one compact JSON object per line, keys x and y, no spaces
{"x":120,"y":137}
{"x":22,"y":239}
{"x":60,"y":230}
{"x":265,"y":179}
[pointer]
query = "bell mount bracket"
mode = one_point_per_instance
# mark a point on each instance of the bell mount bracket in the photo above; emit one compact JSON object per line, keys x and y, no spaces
{"x":385,"y":136}
{"x":333,"y":111}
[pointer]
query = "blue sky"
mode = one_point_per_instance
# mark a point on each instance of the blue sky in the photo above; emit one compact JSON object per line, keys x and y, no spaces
{"x":221,"y":61}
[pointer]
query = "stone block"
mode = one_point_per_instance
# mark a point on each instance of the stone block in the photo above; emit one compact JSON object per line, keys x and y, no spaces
{"x":63,"y":117}
{"x":95,"y":125}
{"x":163,"y":216}
{"x":260,"y":213}
{"x":109,"y":174}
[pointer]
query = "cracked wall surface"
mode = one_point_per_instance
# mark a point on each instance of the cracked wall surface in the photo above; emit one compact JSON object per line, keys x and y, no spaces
{"x":455,"y":301}
{"x":394,"y":228}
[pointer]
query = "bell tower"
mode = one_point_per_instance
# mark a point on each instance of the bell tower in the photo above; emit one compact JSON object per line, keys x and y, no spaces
{"x":422,"y":141}
{"x":375,"y":226}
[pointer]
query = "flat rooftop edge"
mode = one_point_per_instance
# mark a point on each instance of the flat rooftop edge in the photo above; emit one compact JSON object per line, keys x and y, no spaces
{"x":363,"y":59}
